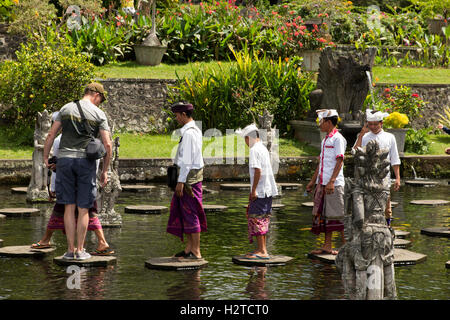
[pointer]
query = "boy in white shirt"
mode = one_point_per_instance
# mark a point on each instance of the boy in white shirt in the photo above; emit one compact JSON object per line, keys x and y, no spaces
{"x":263,"y":189}
{"x":328,"y":208}
{"x":373,"y":130}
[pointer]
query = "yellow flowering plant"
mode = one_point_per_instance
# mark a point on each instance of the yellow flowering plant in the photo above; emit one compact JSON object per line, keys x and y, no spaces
{"x":396,"y":120}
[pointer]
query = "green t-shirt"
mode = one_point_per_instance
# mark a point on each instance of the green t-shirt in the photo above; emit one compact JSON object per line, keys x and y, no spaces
{"x":74,"y":137}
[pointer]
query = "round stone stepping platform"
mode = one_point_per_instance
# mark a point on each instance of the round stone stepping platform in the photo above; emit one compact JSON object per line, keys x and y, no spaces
{"x":137,"y":188}
{"x":436,"y":232}
{"x":24,"y":252}
{"x":94,"y":261}
{"x":214,"y":208}
{"x":207,"y":191}
{"x":401,"y":234}
{"x":308,"y":204}
{"x":17,"y":212}
{"x":437,"y":202}
{"x":20,"y":190}
{"x":1,"y":243}
{"x":273,"y":261}
{"x":2,"y":216}
{"x":447,"y":264}
{"x":402,"y":257}
{"x":235,"y":186}
{"x":394,"y":204}
{"x":290,"y":186}
{"x":145,"y":209}
{"x":174,"y":263}
{"x":275,"y":206}
{"x":422,"y":183}
{"x":402,"y":243}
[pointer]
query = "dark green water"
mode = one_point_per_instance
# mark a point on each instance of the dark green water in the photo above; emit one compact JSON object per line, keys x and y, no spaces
{"x":144,"y":236}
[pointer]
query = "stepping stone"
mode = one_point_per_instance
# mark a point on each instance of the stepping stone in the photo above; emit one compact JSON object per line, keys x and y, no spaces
{"x":447,"y":264}
{"x":394,"y":204}
{"x":308,"y":204}
{"x":275,"y":206}
{"x":21,"y":190}
{"x":422,"y":183}
{"x":94,"y":261}
{"x":206,"y":190}
{"x":436,"y":232}
{"x":2,"y":216}
{"x":1,"y":243}
{"x":402,"y":257}
{"x":214,"y":208}
{"x":273,"y":261}
{"x":24,"y":252}
{"x":290,"y":186}
{"x":145,"y":209}
{"x":174,"y":263}
{"x":430,"y":202}
{"x":401,"y":234}
{"x":137,"y":188}
{"x":235,"y":186}
{"x":401,"y":243}
{"x":17,"y":212}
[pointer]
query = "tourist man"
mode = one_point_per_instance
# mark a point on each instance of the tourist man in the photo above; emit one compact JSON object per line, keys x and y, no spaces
{"x":76,"y":178}
{"x":186,"y":209}
{"x":328,"y":209}
{"x":263,"y":189}
{"x":373,"y":130}
{"x":56,"y":220}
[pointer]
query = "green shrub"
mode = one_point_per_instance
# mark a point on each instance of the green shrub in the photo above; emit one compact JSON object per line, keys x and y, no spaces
{"x":31,"y":16}
{"x":233,"y":97}
{"x":416,"y":142}
{"x":47,"y":74}
{"x":6,"y":10}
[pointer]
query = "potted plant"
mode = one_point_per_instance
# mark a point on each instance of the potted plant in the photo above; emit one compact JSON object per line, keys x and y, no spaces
{"x":395,"y":123}
{"x":437,"y":13}
{"x":150,"y":51}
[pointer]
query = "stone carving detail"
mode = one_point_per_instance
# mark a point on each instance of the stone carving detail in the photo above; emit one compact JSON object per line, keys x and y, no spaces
{"x":269,"y":138}
{"x":37,"y":189}
{"x":366,"y":260}
{"x":107,"y":196}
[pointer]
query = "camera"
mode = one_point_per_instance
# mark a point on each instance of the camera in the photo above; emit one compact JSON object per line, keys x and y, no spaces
{"x":53,"y":160}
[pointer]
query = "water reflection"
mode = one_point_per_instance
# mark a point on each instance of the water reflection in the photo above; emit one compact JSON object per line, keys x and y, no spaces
{"x":187,"y":287}
{"x":256,"y":284}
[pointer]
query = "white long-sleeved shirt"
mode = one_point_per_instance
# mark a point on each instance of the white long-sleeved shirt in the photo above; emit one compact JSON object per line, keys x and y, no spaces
{"x":189,"y":152}
{"x":259,"y":158}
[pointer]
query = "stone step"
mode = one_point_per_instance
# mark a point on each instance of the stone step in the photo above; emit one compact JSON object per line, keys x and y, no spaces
{"x":94,"y":261}
{"x":289,"y":186}
{"x":214,"y":208}
{"x":175,"y":264}
{"x":235,"y":186}
{"x":137,"y":188}
{"x":24,"y":252}
{"x":422,"y":183}
{"x":18,"y":212}
{"x":401,"y":234}
{"x":145,"y":209}
{"x":402,"y":243}
{"x":436,"y":202}
{"x":447,"y":264}
{"x":436,"y":232}
{"x":1,"y":243}
{"x":20,"y":190}
{"x":274,"y":260}
{"x":402,"y":257}
{"x":2,"y":216}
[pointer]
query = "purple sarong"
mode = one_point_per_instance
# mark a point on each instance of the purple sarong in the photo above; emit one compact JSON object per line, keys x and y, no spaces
{"x":186,"y":213}
{"x":56,"y":221}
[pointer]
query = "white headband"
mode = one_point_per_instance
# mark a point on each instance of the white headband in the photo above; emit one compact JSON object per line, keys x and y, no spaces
{"x":326,"y":113}
{"x":372,"y":115}
{"x":247,"y":130}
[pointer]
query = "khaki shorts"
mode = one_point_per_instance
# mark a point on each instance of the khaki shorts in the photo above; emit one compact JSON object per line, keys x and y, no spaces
{"x":334,"y":204}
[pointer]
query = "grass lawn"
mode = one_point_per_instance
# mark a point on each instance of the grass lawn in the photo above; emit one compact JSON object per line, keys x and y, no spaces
{"x":165,"y":71}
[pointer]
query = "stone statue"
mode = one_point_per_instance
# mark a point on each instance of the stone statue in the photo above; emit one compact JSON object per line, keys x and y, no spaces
{"x":366,"y":260}
{"x":268,"y":137}
{"x":37,"y":189}
{"x":342,"y":83}
{"x":107,"y":196}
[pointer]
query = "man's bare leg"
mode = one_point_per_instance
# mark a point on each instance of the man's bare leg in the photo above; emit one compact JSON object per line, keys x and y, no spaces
{"x":102,"y":244}
{"x":69,"y":226}
{"x":82,"y":225}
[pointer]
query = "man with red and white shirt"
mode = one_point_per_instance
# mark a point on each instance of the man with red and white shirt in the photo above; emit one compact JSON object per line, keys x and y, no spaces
{"x":328,"y":210}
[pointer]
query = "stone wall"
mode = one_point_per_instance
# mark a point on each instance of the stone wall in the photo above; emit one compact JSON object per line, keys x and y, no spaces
{"x":437,"y":96}
{"x":291,"y":169}
{"x":137,"y":105}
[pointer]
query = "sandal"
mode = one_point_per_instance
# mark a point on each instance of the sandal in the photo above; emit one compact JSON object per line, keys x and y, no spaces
{"x":323,"y":251}
{"x":105,"y":252}
{"x":181,"y":254}
{"x":191,"y":256}
{"x":38,"y":245}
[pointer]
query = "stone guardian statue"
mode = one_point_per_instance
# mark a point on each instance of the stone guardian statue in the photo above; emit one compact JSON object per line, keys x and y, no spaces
{"x":366,"y":260}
